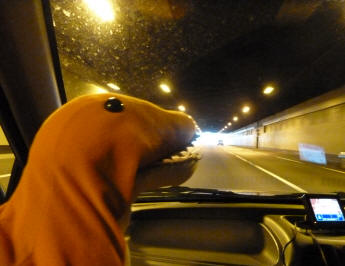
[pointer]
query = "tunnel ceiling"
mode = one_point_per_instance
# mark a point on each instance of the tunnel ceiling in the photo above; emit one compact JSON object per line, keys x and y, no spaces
{"x":216,"y":55}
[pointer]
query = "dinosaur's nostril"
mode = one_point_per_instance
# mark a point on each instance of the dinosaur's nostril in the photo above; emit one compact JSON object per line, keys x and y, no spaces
{"x":114,"y":105}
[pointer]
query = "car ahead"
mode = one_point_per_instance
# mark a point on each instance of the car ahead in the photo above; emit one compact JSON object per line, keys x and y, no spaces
{"x":51,"y":53}
{"x":220,"y":142}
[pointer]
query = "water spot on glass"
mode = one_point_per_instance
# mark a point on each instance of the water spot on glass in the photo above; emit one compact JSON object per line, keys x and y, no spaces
{"x":66,"y":13}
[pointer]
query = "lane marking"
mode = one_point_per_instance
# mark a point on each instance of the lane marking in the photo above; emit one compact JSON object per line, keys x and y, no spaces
{"x":4,"y":176}
{"x":338,"y":171}
{"x":330,"y":169}
{"x":283,"y":158}
{"x":271,"y":174}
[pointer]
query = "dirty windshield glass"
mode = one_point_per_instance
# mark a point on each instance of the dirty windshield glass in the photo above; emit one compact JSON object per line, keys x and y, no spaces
{"x":264,"y":80}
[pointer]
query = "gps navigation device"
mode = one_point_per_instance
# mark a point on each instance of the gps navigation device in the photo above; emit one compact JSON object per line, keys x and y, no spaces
{"x":324,"y":211}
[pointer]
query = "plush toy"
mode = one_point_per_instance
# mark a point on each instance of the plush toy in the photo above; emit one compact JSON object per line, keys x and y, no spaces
{"x":73,"y":200}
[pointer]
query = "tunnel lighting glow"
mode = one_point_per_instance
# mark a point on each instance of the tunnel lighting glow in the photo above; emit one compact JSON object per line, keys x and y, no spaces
{"x":229,"y":124}
{"x":113,"y":86}
{"x":210,"y":138}
{"x":181,"y":108}
{"x":268,"y":90}
{"x":165,"y":88}
{"x":102,"y":9}
{"x":235,"y":118}
{"x":245,"y":109}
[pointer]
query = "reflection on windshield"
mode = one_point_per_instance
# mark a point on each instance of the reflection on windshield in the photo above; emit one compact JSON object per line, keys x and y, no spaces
{"x":265,"y":82}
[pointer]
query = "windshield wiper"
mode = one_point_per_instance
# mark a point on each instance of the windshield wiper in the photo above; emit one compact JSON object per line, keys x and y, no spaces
{"x":187,"y":194}
{"x":179,"y":193}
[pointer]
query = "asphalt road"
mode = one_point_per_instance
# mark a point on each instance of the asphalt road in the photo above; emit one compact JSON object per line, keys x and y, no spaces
{"x":249,"y":170}
{"x":6,"y":162}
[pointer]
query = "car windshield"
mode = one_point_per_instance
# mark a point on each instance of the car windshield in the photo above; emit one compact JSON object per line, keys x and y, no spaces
{"x":264,"y":80}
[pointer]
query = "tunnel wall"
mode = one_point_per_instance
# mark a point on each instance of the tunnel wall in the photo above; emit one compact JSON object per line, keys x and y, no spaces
{"x":324,"y":128}
{"x":245,"y":137}
{"x":319,"y":121}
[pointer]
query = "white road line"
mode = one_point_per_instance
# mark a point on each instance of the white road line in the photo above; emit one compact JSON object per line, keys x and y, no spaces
{"x":4,"y":176}
{"x":289,"y":160}
{"x":283,"y":158}
{"x":330,"y":169}
{"x":271,"y":174}
{"x":338,"y":171}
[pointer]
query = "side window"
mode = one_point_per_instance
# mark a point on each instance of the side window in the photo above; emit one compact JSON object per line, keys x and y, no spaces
{"x":6,"y":161}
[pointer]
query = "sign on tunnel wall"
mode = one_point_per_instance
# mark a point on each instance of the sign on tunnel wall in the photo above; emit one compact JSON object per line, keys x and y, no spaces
{"x":312,"y":153}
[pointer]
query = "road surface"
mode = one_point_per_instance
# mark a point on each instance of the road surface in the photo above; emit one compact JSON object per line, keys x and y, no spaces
{"x":242,"y":169}
{"x":247,"y":170}
{"x":6,"y":162}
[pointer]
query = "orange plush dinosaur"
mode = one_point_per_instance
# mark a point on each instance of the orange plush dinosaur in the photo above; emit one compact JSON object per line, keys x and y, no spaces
{"x":71,"y":204}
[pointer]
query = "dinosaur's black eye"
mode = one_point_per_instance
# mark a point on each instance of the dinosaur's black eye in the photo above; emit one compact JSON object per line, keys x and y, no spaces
{"x":113,"y":105}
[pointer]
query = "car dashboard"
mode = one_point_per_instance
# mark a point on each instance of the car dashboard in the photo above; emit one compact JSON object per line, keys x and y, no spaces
{"x":239,"y":233}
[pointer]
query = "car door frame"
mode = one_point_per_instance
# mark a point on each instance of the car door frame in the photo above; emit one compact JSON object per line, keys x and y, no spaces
{"x":31,"y":84}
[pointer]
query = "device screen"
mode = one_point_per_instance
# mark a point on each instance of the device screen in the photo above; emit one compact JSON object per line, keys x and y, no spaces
{"x":327,"y":210}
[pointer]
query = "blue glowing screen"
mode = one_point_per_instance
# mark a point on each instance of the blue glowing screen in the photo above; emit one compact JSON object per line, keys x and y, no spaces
{"x":327,"y":210}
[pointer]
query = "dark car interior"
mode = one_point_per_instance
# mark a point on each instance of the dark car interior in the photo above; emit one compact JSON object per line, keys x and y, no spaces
{"x":237,"y":230}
